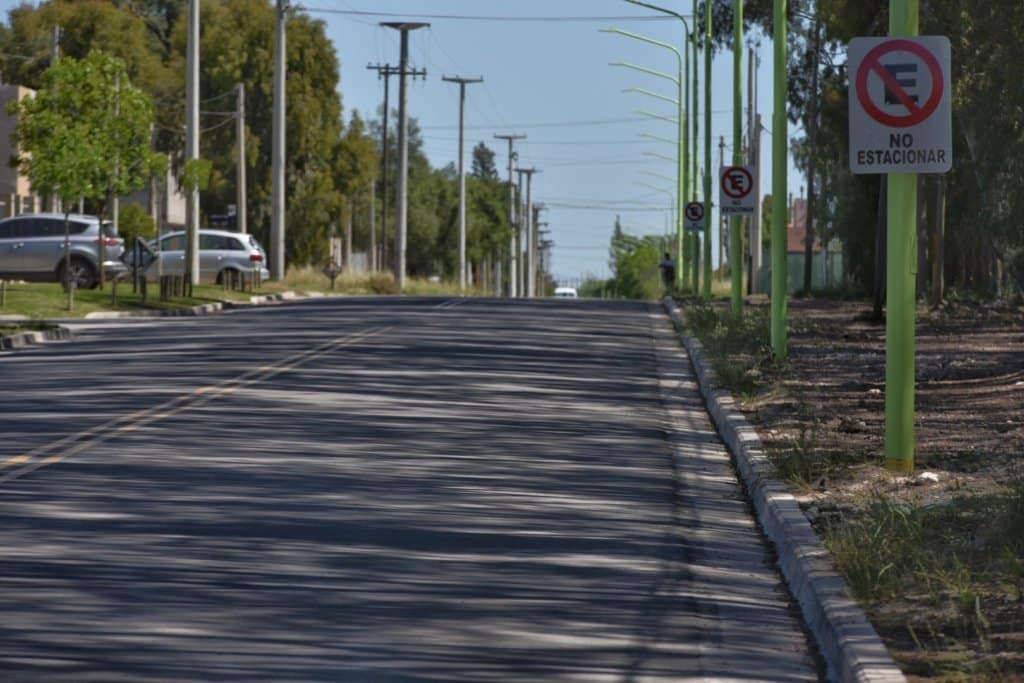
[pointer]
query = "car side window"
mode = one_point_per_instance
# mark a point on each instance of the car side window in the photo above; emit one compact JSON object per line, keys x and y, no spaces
{"x":235,"y":244}
{"x":5,"y":230}
{"x":173,"y":243}
{"x":216,"y":242}
{"x":16,"y":228}
{"x":53,"y":227}
{"x":77,"y":228}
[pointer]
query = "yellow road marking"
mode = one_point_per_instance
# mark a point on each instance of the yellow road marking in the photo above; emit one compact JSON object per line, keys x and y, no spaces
{"x":169,"y":408}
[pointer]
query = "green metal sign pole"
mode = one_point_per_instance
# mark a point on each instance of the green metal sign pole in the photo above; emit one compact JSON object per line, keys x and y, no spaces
{"x":684,"y":161}
{"x":780,"y":151}
{"x":707,"y":148}
{"x":901,"y":273}
{"x":736,"y":238}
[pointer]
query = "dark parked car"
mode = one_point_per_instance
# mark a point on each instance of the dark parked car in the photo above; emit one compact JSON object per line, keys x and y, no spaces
{"x":32,"y":248}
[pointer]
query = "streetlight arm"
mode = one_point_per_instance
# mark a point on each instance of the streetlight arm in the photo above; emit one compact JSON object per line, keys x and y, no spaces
{"x":646,"y":71}
{"x":660,"y":156}
{"x":678,"y":16}
{"x":656,"y":116}
{"x":659,"y":138}
{"x":645,"y":39}
{"x":660,"y":176}
{"x":642,"y":91}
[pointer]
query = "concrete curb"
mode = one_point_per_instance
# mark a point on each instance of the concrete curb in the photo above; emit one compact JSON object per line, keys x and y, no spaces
{"x":203,"y":309}
{"x":848,"y":642}
{"x":25,"y":339}
{"x":59,"y":333}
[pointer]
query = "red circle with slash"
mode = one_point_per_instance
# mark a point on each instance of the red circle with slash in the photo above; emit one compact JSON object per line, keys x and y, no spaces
{"x":740,"y":194}
{"x":872,"y":64}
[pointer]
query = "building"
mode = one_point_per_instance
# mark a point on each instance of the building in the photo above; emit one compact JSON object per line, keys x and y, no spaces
{"x":826,"y":267}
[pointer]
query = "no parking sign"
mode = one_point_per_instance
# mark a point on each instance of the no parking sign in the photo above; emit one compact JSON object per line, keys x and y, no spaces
{"x":736,"y":190}
{"x":900,"y":105}
{"x":694,"y":214}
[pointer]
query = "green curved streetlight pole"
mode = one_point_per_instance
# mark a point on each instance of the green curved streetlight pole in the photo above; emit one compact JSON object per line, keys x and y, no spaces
{"x":680,"y":102}
{"x":707,"y":145}
{"x":690,"y":40}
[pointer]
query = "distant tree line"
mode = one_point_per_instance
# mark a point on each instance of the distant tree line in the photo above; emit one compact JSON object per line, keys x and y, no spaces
{"x":333,"y":164}
{"x":983,"y":245}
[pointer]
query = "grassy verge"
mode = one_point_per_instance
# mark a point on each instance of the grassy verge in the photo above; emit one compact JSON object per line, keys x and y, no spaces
{"x":44,"y":300}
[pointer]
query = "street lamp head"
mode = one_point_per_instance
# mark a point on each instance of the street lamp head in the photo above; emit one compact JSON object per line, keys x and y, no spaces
{"x":404,"y":25}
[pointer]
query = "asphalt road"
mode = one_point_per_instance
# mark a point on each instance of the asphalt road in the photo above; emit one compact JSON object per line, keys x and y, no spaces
{"x":378,"y":490}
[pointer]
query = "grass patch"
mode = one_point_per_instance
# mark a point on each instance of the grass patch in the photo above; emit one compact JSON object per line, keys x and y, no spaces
{"x":737,"y":344}
{"x":47,"y":300}
{"x":957,"y":563}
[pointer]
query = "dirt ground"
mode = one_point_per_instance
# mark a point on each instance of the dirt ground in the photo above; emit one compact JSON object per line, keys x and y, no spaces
{"x":829,"y":398}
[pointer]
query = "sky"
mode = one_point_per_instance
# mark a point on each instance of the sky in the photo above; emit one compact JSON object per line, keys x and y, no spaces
{"x":546,"y":72}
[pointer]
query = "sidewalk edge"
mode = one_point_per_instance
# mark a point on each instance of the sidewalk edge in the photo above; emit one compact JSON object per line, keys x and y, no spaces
{"x":851,"y":647}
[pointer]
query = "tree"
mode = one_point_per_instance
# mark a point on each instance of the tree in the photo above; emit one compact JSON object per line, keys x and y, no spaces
{"x":483,"y":163}
{"x":70,"y":143}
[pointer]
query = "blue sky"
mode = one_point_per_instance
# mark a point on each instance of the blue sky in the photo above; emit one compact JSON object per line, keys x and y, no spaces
{"x":549,"y":79}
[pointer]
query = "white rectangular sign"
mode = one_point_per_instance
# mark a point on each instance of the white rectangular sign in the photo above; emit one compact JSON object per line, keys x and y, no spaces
{"x":737,"y":190}
{"x":694,"y":217}
{"x":900,"y":105}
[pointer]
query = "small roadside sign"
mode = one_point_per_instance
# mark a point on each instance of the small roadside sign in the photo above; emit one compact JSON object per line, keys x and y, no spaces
{"x":694,"y":215}
{"x":900,"y":105}
{"x":736,"y":190}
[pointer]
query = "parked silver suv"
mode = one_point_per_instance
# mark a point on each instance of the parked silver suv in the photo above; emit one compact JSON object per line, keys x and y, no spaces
{"x":221,"y":253}
{"x":32,"y":248}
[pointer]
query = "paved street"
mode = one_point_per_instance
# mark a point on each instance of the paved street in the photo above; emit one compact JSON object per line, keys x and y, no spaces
{"x":378,"y":490}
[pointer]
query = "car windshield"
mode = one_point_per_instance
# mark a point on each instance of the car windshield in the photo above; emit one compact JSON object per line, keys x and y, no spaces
{"x":108,"y":228}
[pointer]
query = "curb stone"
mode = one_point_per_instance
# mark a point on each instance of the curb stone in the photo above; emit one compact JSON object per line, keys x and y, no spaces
{"x":24,"y":339}
{"x":851,"y":647}
{"x":59,"y":333}
{"x":203,"y":309}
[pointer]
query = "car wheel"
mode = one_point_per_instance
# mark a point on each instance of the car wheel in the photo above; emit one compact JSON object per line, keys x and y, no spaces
{"x":82,"y":274}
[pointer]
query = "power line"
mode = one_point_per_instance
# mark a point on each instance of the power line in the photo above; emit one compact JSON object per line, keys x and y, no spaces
{"x":471,"y":17}
{"x":550,"y":124}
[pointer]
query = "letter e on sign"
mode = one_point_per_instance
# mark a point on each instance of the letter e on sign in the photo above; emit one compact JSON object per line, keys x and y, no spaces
{"x":900,"y":105}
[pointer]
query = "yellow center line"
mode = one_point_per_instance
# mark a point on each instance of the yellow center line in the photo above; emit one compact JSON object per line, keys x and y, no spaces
{"x":130,"y":423}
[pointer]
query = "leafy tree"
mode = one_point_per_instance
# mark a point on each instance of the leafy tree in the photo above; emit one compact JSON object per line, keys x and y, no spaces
{"x":70,"y":142}
{"x":483,"y":163}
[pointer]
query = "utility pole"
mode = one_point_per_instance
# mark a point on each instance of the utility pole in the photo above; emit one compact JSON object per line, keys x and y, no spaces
{"x":240,"y":198}
{"x":55,"y":201}
{"x":385,"y":71}
{"x":520,"y":212}
{"x":462,"y":171}
{"x":531,"y":264}
{"x":277,"y":211}
{"x":535,"y":255}
{"x":192,"y":143}
{"x":513,"y":258}
{"x":373,"y":227}
{"x":401,"y":187}
{"x":780,"y":186}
